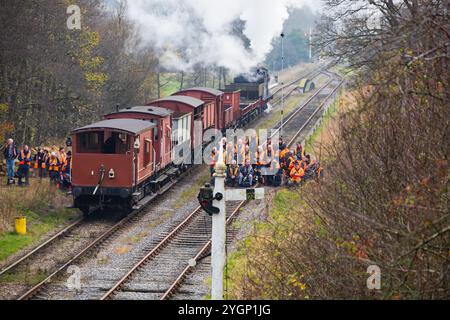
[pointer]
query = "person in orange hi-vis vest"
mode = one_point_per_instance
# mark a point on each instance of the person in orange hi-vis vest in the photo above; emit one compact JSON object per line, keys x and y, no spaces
{"x":240,"y":152}
{"x":53,"y":168}
{"x":297,"y":173}
{"x":291,"y":161}
{"x":229,"y":153}
{"x":213,"y":160}
{"x":62,"y":155}
{"x":39,"y":162}
{"x":66,"y":169}
{"x":283,"y":152}
{"x":232,"y":174}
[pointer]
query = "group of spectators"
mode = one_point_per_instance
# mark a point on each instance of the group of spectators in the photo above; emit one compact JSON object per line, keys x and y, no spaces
{"x":248,"y":164}
{"x":54,"y":163}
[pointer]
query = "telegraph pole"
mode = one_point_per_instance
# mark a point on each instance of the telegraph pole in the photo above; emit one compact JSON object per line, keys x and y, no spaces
{"x":218,"y":230}
{"x":282,"y":84}
{"x":310,"y":44}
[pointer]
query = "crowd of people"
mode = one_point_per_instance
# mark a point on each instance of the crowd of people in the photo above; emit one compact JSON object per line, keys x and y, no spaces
{"x":52,"y":163}
{"x":248,"y":164}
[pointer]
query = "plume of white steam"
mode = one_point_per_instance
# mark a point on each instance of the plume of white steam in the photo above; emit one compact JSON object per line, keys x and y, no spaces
{"x":190,"y":32}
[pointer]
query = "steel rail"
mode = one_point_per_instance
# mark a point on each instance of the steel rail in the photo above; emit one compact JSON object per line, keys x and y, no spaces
{"x":178,"y":281}
{"x":308,"y":74}
{"x":312,"y":74}
{"x":297,"y":110}
{"x":163,"y":243}
{"x":307,"y":122}
{"x":42,"y":246}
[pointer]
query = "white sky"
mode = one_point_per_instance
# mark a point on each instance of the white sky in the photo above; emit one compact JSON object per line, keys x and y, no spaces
{"x":187,"y":32}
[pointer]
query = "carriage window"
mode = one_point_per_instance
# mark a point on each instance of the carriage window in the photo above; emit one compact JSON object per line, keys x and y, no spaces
{"x":250,"y":95}
{"x":90,"y":142}
{"x":103,"y":142}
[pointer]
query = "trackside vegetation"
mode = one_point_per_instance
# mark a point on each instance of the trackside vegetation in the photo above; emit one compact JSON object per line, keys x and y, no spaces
{"x":41,"y":204}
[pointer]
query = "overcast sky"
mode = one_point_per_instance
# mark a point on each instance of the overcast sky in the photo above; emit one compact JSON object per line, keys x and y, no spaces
{"x":188,"y":32}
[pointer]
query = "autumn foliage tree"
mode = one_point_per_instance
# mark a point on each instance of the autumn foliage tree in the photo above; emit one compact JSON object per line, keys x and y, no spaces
{"x":54,"y":79}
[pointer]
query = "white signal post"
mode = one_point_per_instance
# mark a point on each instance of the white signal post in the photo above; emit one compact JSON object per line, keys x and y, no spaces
{"x":218,"y":230}
{"x":219,"y":222}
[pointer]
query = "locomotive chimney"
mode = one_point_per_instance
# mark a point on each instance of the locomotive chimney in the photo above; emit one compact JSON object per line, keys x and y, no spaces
{"x":117,"y":107}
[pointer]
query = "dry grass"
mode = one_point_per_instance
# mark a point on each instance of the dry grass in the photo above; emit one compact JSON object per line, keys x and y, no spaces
{"x":17,"y":201}
{"x":329,"y":129}
{"x":41,"y":204}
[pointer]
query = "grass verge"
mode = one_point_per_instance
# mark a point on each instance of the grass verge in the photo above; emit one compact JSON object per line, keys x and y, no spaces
{"x":44,"y":208}
{"x":275,"y":227}
{"x":288,"y":214}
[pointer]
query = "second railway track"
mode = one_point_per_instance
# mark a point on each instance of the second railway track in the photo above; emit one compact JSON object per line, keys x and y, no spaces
{"x":159,"y":272}
{"x":54,"y":253}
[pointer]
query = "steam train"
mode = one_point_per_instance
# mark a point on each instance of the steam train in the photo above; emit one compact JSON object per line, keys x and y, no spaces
{"x":128,"y":156}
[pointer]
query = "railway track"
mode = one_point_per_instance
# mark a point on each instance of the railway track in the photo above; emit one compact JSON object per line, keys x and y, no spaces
{"x":292,"y":86}
{"x":101,"y":235}
{"x":157,"y":274}
{"x":38,"y":291}
{"x":297,"y":123}
{"x":301,"y":121}
{"x":88,"y":247}
{"x":56,"y":251}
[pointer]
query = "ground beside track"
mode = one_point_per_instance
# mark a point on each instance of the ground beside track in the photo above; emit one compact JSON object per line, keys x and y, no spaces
{"x":45,"y":211}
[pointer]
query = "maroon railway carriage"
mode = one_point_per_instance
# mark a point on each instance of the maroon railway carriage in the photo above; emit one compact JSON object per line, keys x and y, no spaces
{"x":231,"y":108}
{"x":162,"y":118}
{"x":213,"y":97}
{"x":186,"y":111}
{"x":113,"y":163}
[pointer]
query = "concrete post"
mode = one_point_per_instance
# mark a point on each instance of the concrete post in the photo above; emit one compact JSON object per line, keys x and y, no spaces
{"x":218,"y":231}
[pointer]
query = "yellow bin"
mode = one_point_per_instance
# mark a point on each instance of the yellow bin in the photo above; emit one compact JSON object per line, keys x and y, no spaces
{"x":21,"y":225}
